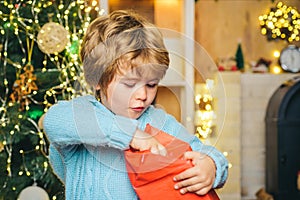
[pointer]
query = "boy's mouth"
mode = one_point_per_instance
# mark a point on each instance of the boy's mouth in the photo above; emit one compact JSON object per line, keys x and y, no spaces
{"x":138,"y":109}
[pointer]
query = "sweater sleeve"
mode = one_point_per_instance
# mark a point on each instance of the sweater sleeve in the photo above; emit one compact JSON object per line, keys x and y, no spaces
{"x":56,"y":162}
{"x":81,"y":122}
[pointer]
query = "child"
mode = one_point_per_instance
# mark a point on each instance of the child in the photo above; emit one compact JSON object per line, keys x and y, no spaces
{"x":124,"y":59}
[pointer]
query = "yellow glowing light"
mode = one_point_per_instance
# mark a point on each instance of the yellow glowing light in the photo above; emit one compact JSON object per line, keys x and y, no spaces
{"x":41,"y":135}
{"x":94,"y":3}
{"x":61,"y":6}
{"x":275,"y":69}
{"x":270,"y":24}
{"x":276,"y":54}
{"x":208,"y":107}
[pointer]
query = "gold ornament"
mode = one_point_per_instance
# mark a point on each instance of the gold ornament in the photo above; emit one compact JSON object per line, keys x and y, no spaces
{"x":1,"y":146}
{"x":24,"y":86}
{"x":52,"y":38}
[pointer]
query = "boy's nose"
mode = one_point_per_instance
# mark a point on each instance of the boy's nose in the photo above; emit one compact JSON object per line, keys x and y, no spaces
{"x":141,"y":93}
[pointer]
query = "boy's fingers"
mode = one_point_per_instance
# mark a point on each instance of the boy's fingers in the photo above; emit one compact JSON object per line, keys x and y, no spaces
{"x":188,"y":173}
{"x":162,"y":150}
{"x":154,"y":150}
{"x":159,"y":149}
{"x":190,"y":155}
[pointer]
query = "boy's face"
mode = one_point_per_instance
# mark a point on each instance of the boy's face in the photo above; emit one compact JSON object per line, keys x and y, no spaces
{"x":131,"y":93}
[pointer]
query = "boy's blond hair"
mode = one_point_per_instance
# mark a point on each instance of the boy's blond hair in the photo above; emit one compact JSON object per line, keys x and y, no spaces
{"x":121,"y":39}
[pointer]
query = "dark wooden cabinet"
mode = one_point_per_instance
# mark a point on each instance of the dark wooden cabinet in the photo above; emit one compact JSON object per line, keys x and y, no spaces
{"x":283,"y":141}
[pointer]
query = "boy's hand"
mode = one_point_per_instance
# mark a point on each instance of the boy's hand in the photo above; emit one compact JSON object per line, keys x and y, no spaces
{"x":200,"y":178}
{"x":143,"y":141}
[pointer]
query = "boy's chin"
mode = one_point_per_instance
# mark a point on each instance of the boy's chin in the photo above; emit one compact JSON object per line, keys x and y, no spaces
{"x":135,"y":115}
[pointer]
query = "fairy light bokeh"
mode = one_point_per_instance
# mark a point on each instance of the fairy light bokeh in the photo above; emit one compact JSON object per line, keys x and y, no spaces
{"x":281,"y":22}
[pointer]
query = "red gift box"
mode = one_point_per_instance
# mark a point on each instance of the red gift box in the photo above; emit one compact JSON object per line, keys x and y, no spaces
{"x":152,"y":175}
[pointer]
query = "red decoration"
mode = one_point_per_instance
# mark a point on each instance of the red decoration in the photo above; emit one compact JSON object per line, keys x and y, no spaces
{"x":221,"y":68}
{"x":234,"y":68}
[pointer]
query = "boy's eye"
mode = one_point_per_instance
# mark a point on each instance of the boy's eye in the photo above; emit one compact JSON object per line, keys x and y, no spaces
{"x":129,"y":84}
{"x":153,"y":85}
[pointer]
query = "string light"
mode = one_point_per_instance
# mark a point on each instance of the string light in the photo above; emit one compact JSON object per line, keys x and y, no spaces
{"x":281,"y":22}
{"x":204,"y":114}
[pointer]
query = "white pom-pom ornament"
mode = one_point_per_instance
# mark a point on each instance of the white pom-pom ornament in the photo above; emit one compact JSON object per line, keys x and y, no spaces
{"x":33,"y":193}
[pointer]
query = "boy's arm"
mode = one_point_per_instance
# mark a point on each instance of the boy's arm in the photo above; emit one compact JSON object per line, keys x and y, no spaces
{"x":79,"y":122}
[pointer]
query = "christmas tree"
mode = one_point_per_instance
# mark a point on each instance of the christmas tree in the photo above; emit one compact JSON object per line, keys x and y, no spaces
{"x":239,"y":57}
{"x":39,"y":65}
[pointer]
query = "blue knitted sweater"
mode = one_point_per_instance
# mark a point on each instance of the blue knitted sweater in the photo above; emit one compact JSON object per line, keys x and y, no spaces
{"x":87,"y":143}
